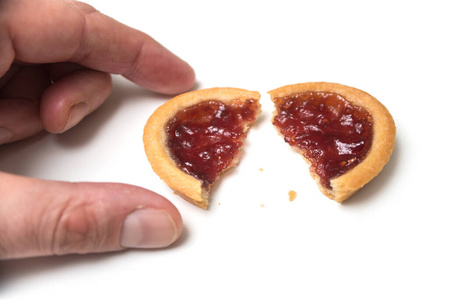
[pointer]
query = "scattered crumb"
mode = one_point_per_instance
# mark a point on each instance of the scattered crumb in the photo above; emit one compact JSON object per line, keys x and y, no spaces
{"x":261,"y":169}
{"x":219,"y":203}
{"x":292,"y":195}
{"x":262,"y":205}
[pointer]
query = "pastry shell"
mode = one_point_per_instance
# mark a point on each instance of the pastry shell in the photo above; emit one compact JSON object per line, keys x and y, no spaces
{"x":384,"y":132}
{"x":154,"y":138}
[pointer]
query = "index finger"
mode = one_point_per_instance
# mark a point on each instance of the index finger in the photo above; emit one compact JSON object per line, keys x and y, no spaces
{"x":50,"y":31}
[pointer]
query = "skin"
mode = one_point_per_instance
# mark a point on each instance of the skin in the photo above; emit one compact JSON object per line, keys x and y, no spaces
{"x":63,"y":52}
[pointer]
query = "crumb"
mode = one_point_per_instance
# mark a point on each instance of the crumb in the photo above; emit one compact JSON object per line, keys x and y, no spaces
{"x":292,"y":195}
{"x":219,"y":203}
{"x":261,"y":169}
{"x":262,"y":205}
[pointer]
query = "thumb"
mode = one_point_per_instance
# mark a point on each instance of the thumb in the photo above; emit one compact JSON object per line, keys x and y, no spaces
{"x":39,"y":217}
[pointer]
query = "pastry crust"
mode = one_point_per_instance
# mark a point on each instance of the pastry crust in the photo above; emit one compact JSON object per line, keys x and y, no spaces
{"x":158,"y":154}
{"x":384,"y":132}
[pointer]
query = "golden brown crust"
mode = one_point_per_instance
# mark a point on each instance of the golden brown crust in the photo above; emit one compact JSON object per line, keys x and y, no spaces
{"x":384,"y":132}
{"x":154,"y":139}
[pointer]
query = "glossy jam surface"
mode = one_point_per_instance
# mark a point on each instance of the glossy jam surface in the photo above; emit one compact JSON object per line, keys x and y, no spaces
{"x":205,"y":138}
{"x":332,"y":133}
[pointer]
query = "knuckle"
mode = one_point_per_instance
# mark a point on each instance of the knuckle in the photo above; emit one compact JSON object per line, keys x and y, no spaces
{"x":77,"y":230}
{"x":83,"y":7}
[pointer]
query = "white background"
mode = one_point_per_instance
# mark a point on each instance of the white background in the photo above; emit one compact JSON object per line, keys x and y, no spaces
{"x":389,"y":241}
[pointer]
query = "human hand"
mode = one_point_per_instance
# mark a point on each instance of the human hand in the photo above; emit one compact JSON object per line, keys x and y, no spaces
{"x":55,"y":66}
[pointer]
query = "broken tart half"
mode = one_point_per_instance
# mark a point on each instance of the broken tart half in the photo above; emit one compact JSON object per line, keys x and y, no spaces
{"x":191,"y":139}
{"x":345,"y":134}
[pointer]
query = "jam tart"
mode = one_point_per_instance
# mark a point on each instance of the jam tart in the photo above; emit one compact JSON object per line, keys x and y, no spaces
{"x":344,"y":134}
{"x":194,"y":137}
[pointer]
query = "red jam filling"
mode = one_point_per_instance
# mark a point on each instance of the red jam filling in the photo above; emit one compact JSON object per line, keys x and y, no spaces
{"x":333,"y":134}
{"x":205,"y":138}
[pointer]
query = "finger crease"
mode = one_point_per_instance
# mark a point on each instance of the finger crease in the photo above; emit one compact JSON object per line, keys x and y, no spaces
{"x":82,"y":52}
{"x":14,"y":98}
{"x":135,"y":63}
{"x":55,"y":243}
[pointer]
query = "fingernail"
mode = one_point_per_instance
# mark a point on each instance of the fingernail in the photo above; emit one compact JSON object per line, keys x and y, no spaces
{"x":77,"y":113}
{"x":148,"y":228}
{"x":5,"y":135}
